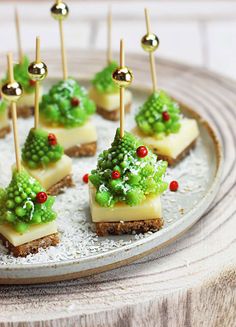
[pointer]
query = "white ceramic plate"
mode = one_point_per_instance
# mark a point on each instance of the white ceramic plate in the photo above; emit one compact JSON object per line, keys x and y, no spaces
{"x":81,"y":252}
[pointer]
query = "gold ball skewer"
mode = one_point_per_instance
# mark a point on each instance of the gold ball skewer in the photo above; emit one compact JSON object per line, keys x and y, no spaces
{"x":150,"y":43}
{"x":37,"y":71}
{"x":123,"y":77}
{"x":60,"y":11}
{"x":12,"y":91}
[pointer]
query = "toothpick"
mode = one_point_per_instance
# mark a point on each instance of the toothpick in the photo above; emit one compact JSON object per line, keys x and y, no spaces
{"x":18,"y":37}
{"x":63,"y":52}
{"x":151,"y":55}
{"x":10,"y":68}
{"x":153,"y":71}
{"x":16,"y":139}
{"x":37,"y":56}
{"x":14,"y":114}
{"x":60,"y":12}
{"x":147,"y":20}
{"x":109,"y":27}
{"x":36,"y":96}
{"x":122,"y":90}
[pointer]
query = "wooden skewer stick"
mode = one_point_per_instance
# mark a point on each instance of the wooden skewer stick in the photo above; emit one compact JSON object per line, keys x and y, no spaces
{"x":10,"y":68}
{"x":59,"y":12}
{"x":122,"y":90}
{"x":147,"y":20}
{"x":36,"y":97}
{"x":14,"y":114}
{"x":63,"y":52}
{"x":109,"y":27}
{"x":18,"y":37}
{"x":153,"y":71}
{"x":151,"y":55}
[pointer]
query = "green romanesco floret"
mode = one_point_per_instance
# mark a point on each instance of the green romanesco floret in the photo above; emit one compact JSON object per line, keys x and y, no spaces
{"x":103,"y":81}
{"x":138,"y":177}
{"x":66,"y":104}
{"x":38,"y":151}
{"x":19,"y":206}
{"x":159,"y":115}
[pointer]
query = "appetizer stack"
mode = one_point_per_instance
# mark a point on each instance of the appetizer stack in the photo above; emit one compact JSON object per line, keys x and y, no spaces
{"x":26,"y":215}
{"x":160,"y":124}
{"x":66,"y":109}
{"x":25,"y":107}
{"x":42,"y":156}
{"x":126,"y":186}
{"x":104,"y":91}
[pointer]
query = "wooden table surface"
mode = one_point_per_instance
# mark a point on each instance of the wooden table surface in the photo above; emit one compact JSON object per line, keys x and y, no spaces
{"x":189,"y":283}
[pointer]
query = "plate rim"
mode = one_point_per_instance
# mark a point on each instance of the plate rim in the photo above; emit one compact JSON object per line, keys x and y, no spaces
{"x":202,"y":206}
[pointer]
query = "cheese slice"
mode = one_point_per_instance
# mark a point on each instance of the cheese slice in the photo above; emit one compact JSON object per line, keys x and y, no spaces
{"x":33,"y":233}
{"x":149,"y":209}
{"x":27,"y":100}
{"x":173,"y":144}
{"x":109,"y":101}
{"x":69,"y":137}
{"x":53,"y":173}
{"x":4,"y":119}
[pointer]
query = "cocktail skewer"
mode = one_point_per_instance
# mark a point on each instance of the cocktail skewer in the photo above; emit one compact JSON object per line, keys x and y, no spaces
{"x":60,"y":12}
{"x":150,"y":43}
{"x":123,"y":77}
{"x":12,"y":91}
{"x":37,"y":71}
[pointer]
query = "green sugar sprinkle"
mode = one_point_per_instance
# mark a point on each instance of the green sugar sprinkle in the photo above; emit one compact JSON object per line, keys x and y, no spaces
{"x":18,"y":205}
{"x":57,"y":107}
{"x":37,"y":152}
{"x":139,"y":177}
{"x":150,"y":116}
{"x":103,"y":80}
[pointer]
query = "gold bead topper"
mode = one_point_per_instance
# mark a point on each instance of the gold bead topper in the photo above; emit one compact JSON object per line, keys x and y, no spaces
{"x":122,"y":77}
{"x":150,"y":42}
{"x":37,"y":71}
{"x":60,"y":10}
{"x":12,"y":91}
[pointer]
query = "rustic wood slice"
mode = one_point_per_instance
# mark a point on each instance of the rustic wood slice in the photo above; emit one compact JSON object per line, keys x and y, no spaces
{"x":190,"y":282}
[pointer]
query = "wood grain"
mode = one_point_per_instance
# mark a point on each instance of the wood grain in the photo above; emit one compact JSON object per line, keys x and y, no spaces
{"x":190,"y":282}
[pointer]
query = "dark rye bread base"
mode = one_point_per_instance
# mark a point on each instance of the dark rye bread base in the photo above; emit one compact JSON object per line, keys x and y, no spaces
{"x":59,"y":187}
{"x":31,"y":247}
{"x":83,"y":150}
{"x":128,"y":227}
{"x":114,"y":114}
{"x":4,"y":131}
{"x":173,"y":161}
{"x":23,"y":112}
